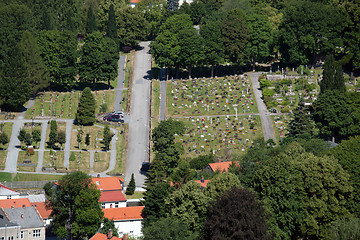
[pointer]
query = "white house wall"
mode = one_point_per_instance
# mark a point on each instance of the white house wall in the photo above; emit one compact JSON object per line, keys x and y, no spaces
{"x":130,"y":227}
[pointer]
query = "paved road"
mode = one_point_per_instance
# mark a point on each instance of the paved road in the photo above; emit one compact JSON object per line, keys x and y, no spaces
{"x":69,"y":123}
{"x":13,"y":149}
{"x":138,"y":144}
{"x":266,"y":122}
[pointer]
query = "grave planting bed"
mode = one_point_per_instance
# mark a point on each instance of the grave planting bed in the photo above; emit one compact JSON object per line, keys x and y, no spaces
{"x":212,"y":134}
{"x":210,"y":96}
{"x":64,"y":104}
{"x":53,"y":159}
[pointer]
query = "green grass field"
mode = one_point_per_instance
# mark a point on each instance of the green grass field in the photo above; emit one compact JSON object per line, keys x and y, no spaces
{"x":24,"y":157}
{"x":203,"y":97}
{"x":81,"y":162}
{"x":7,"y":128}
{"x":121,"y":145}
{"x":3,"y":155}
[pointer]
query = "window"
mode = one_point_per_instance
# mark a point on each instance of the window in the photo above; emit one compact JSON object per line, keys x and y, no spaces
{"x":103,"y":205}
{"x":36,"y":233}
{"x":116,"y":204}
{"x":11,"y":238}
{"x":2,"y":238}
{"x":9,"y":197}
{"x":131,"y":231}
{"x":22,"y":234}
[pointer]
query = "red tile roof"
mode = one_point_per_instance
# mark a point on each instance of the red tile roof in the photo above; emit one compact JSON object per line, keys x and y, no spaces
{"x":108,"y":183}
{"x":112,"y":196}
{"x":135,"y":1}
{"x":15,"y":203}
{"x":101,"y":236}
{"x":202,"y":184}
{"x":125,"y":213}
{"x":42,"y":209}
{"x":221,"y":166}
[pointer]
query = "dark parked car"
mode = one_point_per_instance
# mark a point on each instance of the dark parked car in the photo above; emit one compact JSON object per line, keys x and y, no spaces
{"x":113,"y":118}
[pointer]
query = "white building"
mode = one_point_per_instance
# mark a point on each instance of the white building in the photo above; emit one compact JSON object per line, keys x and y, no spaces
{"x":7,"y":193}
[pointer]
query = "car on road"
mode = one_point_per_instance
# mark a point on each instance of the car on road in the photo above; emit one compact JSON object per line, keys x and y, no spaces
{"x":113,"y":118}
{"x":121,"y":113}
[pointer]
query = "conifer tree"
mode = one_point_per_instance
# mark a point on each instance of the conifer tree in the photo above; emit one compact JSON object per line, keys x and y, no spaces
{"x":333,"y":78}
{"x":86,"y":109}
{"x":91,"y":21}
{"x":131,"y":187}
{"x":111,"y":26}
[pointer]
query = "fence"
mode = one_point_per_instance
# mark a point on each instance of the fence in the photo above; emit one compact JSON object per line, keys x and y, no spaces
{"x":26,"y":184}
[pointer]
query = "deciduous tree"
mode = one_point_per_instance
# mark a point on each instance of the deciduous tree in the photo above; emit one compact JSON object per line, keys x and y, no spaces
{"x":4,"y":139}
{"x":36,"y":134}
{"x":221,"y":183}
{"x":61,"y":138}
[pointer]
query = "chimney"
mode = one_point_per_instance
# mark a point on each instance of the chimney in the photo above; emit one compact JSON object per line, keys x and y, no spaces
{"x":98,"y":175}
{"x":202,"y":179}
{"x":110,"y":234}
{"x":124,"y":237}
{"x":22,"y":216}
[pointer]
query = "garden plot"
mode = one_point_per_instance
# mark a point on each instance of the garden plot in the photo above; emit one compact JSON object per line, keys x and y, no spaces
{"x":214,"y":96}
{"x":212,"y":134}
{"x":64,"y":104}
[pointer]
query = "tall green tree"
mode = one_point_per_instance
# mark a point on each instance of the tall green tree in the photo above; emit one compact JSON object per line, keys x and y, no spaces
{"x":36,"y":134}
{"x":221,"y":183}
{"x":90,"y":21}
{"x":4,"y":139}
{"x":236,"y":214}
{"x":52,"y":134}
{"x":35,"y":68}
{"x":75,"y":207}
{"x":107,"y":137}
{"x":61,"y":138}
{"x":131,"y":187}
{"x":303,"y":193}
{"x":333,"y":78}
{"x":111,"y":31}
{"x":86,"y":110}
{"x":235,"y":35}
{"x":109,"y":225}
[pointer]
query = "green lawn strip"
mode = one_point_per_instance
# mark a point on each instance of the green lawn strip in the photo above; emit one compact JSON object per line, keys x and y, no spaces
{"x":23,"y":157}
{"x":7,"y":128}
{"x":202,"y":135}
{"x":95,"y":133}
{"x":130,"y":59}
{"x":81,"y":162}
{"x":136,"y":195}
{"x":5,"y":176}
{"x":155,"y":105}
{"x":200,"y":97}
{"x":99,"y":96}
{"x":110,"y":99}
{"x":54,"y":159}
{"x":35,"y":177}
{"x":121,"y":145}
{"x":124,"y":103}
{"x":3,"y":155}
{"x":101,"y":161}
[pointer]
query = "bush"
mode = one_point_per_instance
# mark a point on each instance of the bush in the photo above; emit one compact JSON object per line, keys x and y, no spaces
{"x":30,"y":151}
{"x":72,"y":157}
{"x":103,"y":108}
{"x":267,"y":92}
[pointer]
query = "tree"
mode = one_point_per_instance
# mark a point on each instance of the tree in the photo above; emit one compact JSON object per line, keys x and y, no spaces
{"x":167,"y":228}
{"x":36,"y":134}
{"x":258,"y":47}
{"x":107,"y":137}
{"x":303,"y":193}
{"x":235,"y":35}
{"x":52,"y":134}
{"x":99,"y":58}
{"x":132,"y":26}
{"x":79,"y":137}
{"x":21,"y":136}
{"x":220,"y":184}
{"x":333,"y":78}
{"x":155,"y":207}
{"x":111,"y":31}
{"x":202,"y":161}
{"x":189,"y":204}
{"x":15,"y":86}
{"x":131,"y":187}
{"x":28,"y":139}
{"x":182,"y":173}
{"x":109,"y":225}
{"x":87,"y":139}
{"x":90,"y":21}
{"x":172,"y":5}
{"x":86,"y":110}
{"x":237,"y":214}
{"x":4,"y":139}
{"x":75,"y":207}
{"x":309,"y":30}
{"x":36,"y":71}
{"x":61,"y":138}
{"x":301,"y":123}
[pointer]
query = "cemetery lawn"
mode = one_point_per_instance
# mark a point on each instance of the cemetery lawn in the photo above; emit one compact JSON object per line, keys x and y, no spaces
{"x":5,"y":176}
{"x":155,"y":100}
{"x":125,"y":104}
{"x":206,"y":96}
{"x":27,"y":167}
{"x":56,"y":159}
{"x":95,"y":133}
{"x":280,"y":123}
{"x":121,"y":145}
{"x":3,"y":155}
{"x":64,"y":104}
{"x":35,"y":177}
{"x":129,"y":66}
{"x":61,"y":127}
{"x":81,"y":162}
{"x":7,"y":128}
{"x":212,"y":134}
{"x":101,"y":161}
{"x":8,"y":116}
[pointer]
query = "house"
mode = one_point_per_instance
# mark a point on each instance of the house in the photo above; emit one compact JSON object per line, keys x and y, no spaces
{"x":111,"y":191}
{"x":109,"y":236}
{"x":128,"y":220}
{"x":220,"y":166}
{"x":133,"y":3}
{"x":7,"y":193}
{"x":15,"y":203}
{"x":8,"y":230}
{"x":203,"y":183}
{"x":30,"y":225}
{"x":44,"y":212}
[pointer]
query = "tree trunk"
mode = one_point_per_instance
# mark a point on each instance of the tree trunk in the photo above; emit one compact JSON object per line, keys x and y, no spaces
{"x":109,"y":84}
{"x":167,"y":73}
{"x":212,"y":71}
{"x":177,"y":72}
{"x":253,"y":63}
{"x":190,"y":68}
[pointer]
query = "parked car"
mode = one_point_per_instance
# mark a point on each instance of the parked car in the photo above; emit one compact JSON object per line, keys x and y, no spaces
{"x":113,"y":118}
{"x":121,"y":113}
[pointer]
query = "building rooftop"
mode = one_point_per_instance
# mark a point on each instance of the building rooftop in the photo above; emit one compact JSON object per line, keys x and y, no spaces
{"x":5,"y":191}
{"x":26,"y":217}
{"x":108,"y":183}
{"x":101,"y":236}
{"x":4,"y":221}
{"x":221,"y":166}
{"x":112,"y":196}
{"x":125,"y":213}
{"x":42,"y":209}
{"x":15,"y":203}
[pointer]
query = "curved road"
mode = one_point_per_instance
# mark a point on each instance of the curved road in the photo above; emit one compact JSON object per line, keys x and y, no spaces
{"x":139,"y":123}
